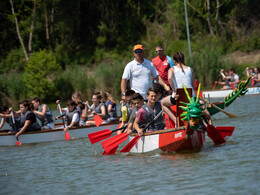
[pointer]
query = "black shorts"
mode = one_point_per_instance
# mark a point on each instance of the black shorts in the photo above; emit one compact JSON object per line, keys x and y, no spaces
{"x":173,"y":101}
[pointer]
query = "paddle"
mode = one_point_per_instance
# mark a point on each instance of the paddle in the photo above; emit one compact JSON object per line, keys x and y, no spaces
{"x":98,"y":120}
{"x":100,"y":135}
{"x":113,"y":142}
{"x":225,"y":130}
{"x":131,"y":144}
{"x":215,"y":135}
{"x":215,"y":84}
{"x":67,"y":135}
{"x":230,"y":115}
{"x":233,"y":87}
{"x":18,"y":143}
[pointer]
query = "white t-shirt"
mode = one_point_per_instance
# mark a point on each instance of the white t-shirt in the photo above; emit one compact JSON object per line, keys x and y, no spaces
{"x":184,"y":78}
{"x":140,"y":75}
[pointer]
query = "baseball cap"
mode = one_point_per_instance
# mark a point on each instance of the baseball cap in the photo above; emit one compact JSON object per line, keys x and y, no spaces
{"x":138,"y":47}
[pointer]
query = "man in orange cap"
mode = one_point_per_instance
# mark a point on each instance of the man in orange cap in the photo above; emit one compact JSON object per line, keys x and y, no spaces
{"x":140,"y":72}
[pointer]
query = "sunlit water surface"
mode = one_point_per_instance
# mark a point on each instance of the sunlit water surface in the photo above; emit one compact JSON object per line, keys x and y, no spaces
{"x":71,"y":167}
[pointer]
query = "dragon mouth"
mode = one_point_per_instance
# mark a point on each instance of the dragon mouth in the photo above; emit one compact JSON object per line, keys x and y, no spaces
{"x":194,"y":121}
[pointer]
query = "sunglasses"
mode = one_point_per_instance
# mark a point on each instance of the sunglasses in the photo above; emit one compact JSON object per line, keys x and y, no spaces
{"x":158,"y":50}
{"x":138,"y":51}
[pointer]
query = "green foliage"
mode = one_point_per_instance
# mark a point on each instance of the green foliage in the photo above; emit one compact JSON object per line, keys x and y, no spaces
{"x":206,"y":65}
{"x":13,"y":61}
{"x":41,"y":71}
{"x":108,"y":77}
{"x":12,"y":89}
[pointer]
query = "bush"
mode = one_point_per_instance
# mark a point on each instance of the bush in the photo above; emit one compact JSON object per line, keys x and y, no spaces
{"x":14,"y":61}
{"x":12,"y":89}
{"x":41,"y":72}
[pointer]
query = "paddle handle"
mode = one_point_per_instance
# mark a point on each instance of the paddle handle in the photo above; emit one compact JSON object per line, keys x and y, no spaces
{"x":222,"y":74}
{"x":60,"y":109}
{"x":119,"y":129}
{"x":61,"y":114}
{"x":13,"y":121}
{"x":155,"y":118}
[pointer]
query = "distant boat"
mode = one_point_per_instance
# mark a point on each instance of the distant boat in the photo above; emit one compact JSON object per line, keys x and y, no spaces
{"x":226,"y":92}
{"x":56,"y":134}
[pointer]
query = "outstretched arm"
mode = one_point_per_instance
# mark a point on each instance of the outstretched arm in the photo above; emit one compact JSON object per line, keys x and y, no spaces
{"x":162,"y":83}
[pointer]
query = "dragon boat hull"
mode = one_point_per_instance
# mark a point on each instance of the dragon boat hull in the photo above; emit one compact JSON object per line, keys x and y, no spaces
{"x":171,"y":140}
{"x":224,"y":93}
{"x":56,"y":134}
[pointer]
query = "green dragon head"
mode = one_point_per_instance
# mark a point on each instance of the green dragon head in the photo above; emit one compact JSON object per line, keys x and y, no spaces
{"x":192,"y":111}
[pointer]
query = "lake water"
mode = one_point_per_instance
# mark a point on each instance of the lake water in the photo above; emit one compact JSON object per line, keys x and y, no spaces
{"x":70,"y":167}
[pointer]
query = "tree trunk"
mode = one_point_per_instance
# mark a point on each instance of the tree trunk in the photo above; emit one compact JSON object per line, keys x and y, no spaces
{"x":46,"y":24}
{"x":18,"y":31}
{"x":32,"y":27}
{"x":208,"y":18}
{"x":52,"y":17}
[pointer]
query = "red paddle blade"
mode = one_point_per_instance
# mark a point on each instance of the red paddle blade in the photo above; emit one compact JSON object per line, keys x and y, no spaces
{"x":118,"y":126}
{"x":233,"y":87}
{"x":100,"y":135}
{"x":214,"y":86}
{"x":98,"y":120}
{"x":225,"y":130}
{"x":113,"y":151}
{"x":18,"y":143}
{"x":111,"y":143}
{"x":67,"y":136}
{"x":215,"y":135}
{"x":131,"y":144}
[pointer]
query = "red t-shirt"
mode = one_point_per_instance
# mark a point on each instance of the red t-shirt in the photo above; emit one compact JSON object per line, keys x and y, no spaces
{"x":162,"y":66}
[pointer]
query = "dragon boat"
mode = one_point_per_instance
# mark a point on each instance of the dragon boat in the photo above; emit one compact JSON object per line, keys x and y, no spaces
{"x":230,"y":96}
{"x":185,"y":137}
{"x":55,"y":134}
{"x":230,"y":92}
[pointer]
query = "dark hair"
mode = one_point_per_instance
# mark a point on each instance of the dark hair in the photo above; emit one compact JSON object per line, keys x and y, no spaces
{"x":37,"y":99}
{"x":151,"y":90}
{"x":137,"y":96}
{"x":3,"y":108}
{"x":71,"y":103}
{"x":98,"y":95}
{"x":158,"y":89}
{"x":179,"y":58}
{"x":129,"y":92}
{"x":159,"y":46}
{"x":28,"y":104}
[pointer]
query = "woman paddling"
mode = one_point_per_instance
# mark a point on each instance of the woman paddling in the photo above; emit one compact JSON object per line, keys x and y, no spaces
{"x":97,"y":108}
{"x":110,"y":104}
{"x":28,"y":120}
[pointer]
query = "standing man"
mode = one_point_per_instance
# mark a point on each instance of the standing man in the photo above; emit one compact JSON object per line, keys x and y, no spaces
{"x":140,"y":72}
{"x":162,"y":63}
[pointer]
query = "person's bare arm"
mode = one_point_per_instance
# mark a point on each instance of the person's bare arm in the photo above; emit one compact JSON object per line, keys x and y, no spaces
{"x":26,"y":124}
{"x":170,"y":76}
{"x":43,"y":112}
{"x":162,"y":83}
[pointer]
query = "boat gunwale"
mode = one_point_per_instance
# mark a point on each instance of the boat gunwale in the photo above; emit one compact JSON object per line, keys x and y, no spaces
{"x":161,"y":131}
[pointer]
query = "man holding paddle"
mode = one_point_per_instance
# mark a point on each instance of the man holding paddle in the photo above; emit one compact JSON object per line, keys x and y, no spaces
{"x":140,"y":72}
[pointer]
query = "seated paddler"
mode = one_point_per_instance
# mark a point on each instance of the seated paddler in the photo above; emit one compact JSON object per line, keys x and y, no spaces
{"x":28,"y":120}
{"x":43,"y":113}
{"x":72,"y":115}
{"x":148,"y":112}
